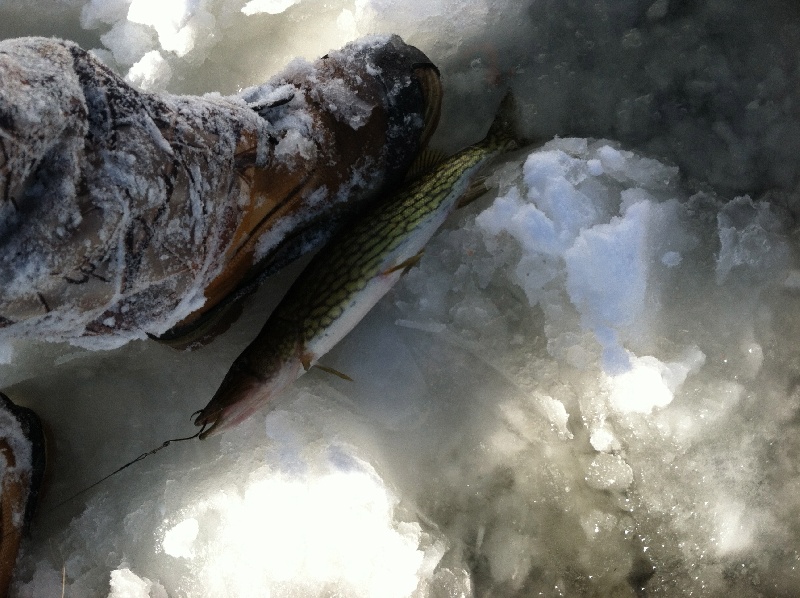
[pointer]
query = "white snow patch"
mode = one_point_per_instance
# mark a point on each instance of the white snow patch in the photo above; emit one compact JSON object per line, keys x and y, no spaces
{"x":650,"y":383}
{"x":152,"y":72}
{"x":272,"y":7}
{"x":126,"y":584}
{"x":178,"y":540}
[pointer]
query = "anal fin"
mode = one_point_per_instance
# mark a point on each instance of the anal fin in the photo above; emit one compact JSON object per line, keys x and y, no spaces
{"x":473,"y":192}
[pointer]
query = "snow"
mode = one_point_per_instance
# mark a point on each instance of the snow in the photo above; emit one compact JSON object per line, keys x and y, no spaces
{"x":587,"y":386}
{"x":272,"y":7}
{"x":126,"y":584}
{"x":178,"y":540}
{"x":149,"y":71}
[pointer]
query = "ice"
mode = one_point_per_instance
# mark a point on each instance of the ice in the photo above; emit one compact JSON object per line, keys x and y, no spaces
{"x":748,"y":239}
{"x":588,"y":385}
{"x":6,"y":352}
{"x":610,"y":252}
{"x":177,"y":24}
{"x":609,"y":472}
{"x":98,"y":12}
{"x":649,"y":383}
{"x":128,"y":43}
{"x":178,"y":540}
{"x":272,"y":7}
{"x":126,"y":584}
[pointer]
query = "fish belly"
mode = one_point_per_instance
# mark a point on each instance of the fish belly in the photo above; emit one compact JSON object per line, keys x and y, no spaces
{"x":391,"y":270}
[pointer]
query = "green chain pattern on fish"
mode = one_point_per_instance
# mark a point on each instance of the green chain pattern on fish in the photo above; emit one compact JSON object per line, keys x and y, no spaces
{"x":354,"y":260}
{"x":346,"y":279}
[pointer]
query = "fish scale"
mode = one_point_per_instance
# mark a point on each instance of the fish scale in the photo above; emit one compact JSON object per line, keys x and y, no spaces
{"x":376,"y":235}
{"x":346,"y":278}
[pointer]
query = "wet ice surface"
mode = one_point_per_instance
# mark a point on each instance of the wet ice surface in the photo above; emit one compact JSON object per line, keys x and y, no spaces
{"x":514,"y":425}
{"x":586,"y":387}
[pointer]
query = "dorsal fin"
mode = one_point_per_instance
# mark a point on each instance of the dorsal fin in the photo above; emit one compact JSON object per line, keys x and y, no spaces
{"x":426,"y":160}
{"x":504,"y":125}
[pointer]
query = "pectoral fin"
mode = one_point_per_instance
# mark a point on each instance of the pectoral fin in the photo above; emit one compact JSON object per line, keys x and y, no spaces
{"x":426,"y":161}
{"x":325,"y":368}
{"x":406,"y":265}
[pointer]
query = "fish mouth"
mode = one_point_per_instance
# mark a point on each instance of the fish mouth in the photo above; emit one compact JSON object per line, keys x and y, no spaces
{"x":242,"y":393}
{"x":237,"y":398}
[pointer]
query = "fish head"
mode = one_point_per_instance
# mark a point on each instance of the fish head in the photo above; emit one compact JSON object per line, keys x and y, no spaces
{"x":242,"y":393}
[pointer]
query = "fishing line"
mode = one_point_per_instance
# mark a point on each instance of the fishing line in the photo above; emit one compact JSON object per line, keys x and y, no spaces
{"x":141,"y":457}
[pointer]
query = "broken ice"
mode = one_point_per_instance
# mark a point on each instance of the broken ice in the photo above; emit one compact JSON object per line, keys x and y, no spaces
{"x":587,"y":387}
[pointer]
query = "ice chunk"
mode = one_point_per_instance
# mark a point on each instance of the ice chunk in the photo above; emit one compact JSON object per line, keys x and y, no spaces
{"x":152,"y":72}
{"x":332,"y":529}
{"x":609,"y":472}
{"x":610,"y":252}
{"x":595,"y":167}
{"x":176,"y":23}
{"x":650,"y":383}
{"x":126,"y":584}
{"x":553,"y":178}
{"x":642,"y":388}
{"x":523,"y":220}
{"x":603,"y":440}
{"x":627,"y":167}
{"x":128,"y":42}
{"x":95,"y":12}
{"x":178,"y":540}
{"x":558,"y":416}
{"x":749,"y":239}
{"x":271,"y":7}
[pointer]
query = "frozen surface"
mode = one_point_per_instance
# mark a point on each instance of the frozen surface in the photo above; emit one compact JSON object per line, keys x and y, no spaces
{"x":588,"y":386}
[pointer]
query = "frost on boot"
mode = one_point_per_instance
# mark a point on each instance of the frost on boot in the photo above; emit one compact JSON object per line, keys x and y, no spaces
{"x":124,"y":214}
{"x":22,"y":463}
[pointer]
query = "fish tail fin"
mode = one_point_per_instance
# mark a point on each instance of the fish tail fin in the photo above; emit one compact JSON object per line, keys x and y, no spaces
{"x":504,"y":129}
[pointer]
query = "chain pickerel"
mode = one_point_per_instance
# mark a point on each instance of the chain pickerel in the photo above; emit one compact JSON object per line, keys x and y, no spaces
{"x":347,"y":278}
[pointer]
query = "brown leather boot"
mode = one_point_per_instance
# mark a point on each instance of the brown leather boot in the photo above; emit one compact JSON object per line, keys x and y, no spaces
{"x":125,"y":214}
{"x":22,"y":451}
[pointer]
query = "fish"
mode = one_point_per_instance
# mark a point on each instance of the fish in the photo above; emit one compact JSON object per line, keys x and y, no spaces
{"x":347,"y":278}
